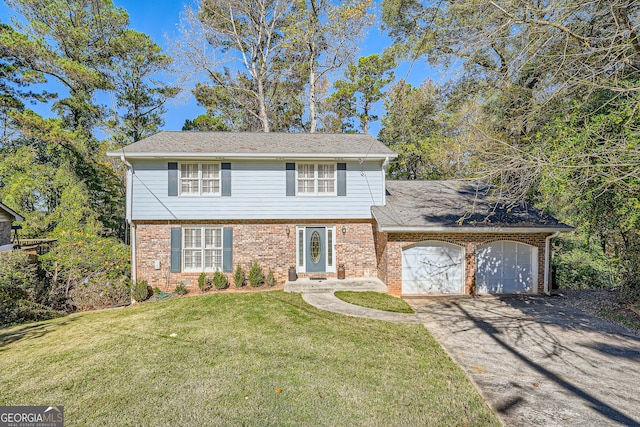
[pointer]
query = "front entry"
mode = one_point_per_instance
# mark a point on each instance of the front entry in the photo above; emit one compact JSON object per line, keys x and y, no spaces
{"x":316,"y":249}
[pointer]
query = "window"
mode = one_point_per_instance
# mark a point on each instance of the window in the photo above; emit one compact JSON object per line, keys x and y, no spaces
{"x":200,"y":179}
{"x":317,"y":179}
{"x":202,"y":248}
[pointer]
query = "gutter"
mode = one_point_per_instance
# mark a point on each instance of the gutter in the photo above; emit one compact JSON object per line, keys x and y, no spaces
{"x":547,"y":261}
{"x":134,"y":270}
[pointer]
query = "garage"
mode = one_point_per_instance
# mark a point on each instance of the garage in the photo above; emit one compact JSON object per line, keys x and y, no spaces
{"x":506,"y":267}
{"x":433,"y":268}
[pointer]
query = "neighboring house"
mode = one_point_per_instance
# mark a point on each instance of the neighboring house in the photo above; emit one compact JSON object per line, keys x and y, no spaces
{"x":7,"y":217}
{"x":207,"y":201}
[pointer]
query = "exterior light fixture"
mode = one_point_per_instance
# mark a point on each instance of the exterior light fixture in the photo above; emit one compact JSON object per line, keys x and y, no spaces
{"x":287,"y":230}
{"x":344,"y":230}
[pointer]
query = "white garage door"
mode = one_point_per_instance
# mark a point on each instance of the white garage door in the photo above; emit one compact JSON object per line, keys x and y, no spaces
{"x":506,"y":267}
{"x":433,"y":268}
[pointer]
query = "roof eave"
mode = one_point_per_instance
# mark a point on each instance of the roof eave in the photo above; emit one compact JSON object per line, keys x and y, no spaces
{"x":16,"y":216}
{"x":471,"y":230}
{"x":310,"y":156}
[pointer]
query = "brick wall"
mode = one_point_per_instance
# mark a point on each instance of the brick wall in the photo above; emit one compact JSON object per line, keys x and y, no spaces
{"x":265,"y":241}
{"x":389,"y":248}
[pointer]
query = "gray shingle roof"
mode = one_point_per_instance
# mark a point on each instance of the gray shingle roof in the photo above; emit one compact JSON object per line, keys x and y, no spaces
{"x":455,"y":205}
{"x":247,"y":144}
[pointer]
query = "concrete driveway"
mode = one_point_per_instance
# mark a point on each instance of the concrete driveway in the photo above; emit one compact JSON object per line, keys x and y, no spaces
{"x":539,"y":363}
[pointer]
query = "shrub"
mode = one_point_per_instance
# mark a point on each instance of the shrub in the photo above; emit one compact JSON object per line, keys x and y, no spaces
{"x":97,"y":293}
{"x":238,"y":277}
{"x":181,"y":289}
{"x":220,"y":280}
{"x":140,"y":291}
{"x":270,"y":280}
{"x":204,"y":284}
{"x":256,"y":275}
{"x":79,"y":259}
{"x":19,"y":287}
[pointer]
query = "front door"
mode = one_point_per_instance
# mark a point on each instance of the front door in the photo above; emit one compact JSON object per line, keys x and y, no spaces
{"x":315,"y":256}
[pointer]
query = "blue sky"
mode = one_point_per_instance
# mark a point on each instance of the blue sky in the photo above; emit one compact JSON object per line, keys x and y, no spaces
{"x":160,"y":18}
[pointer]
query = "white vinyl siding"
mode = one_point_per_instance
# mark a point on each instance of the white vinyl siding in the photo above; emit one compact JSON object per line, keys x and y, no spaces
{"x":316,"y":179}
{"x":258,"y":191}
{"x":199,"y":179}
{"x":202,"y":248}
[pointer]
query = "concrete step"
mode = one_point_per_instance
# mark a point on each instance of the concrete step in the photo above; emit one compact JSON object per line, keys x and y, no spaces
{"x":362,"y":284}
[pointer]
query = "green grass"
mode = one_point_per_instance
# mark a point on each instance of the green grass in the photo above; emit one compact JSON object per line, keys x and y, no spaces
{"x":121,"y":367}
{"x":375,"y":300}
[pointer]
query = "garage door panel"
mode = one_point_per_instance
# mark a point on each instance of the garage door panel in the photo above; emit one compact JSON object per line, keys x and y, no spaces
{"x":433,"y":268}
{"x":506,"y":267}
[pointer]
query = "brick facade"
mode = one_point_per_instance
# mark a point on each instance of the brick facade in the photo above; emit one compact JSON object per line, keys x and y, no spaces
{"x":265,"y":241}
{"x":363,"y":251}
{"x":389,"y":253}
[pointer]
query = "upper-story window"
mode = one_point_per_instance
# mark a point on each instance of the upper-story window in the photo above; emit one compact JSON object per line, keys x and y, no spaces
{"x":318,"y":178}
{"x":200,"y":179}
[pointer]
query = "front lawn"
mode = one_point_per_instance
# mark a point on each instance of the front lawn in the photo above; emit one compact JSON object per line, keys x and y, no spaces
{"x":376,"y":300}
{"x":235,"y":359}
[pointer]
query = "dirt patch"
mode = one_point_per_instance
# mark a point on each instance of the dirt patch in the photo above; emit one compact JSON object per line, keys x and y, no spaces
{"x":603,"y":303}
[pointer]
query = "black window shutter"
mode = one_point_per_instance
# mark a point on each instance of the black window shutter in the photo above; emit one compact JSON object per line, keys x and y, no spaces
{"x":227,"y":249}
{"x":342,"y":179}
{"x":226,"y":179}
{"x":291,"y":179}
{"x":173,"y":178}
{"x":176,"y":249}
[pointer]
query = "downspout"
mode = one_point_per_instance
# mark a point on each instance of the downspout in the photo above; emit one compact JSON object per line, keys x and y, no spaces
{"x":134,"y":270}
{"x":385,"y":164}
{"x":547,"y":260}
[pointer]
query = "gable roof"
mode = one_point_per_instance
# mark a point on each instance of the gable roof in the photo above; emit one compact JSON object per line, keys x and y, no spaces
{"x":175,"y":144}
{"x":456,"y":206}
{"x":10,"y":212}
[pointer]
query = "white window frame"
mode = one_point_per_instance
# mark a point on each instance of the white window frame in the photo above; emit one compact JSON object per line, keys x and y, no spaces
{"x":317,"y":180}
{"x":201,"y":180}
{"x":330,"y":247}
{"x":217,"y":251}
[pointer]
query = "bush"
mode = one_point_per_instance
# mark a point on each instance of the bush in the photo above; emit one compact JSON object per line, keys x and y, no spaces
{"x":204,"y":284}
{"x":97,"y":293}
{"x":87,"y":263}
{"x":19,"y":288}
{"x":220,"y":280}
{"x":582,"y":265}
{"x":256,"y":275}
{"x":181,"y":289}
{"x":140,"y":291}
{"x":238,"y":277}
{"x":270,"y":280}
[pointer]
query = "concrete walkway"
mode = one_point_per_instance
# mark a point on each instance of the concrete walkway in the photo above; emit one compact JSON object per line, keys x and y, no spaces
{"x":320,"y":294}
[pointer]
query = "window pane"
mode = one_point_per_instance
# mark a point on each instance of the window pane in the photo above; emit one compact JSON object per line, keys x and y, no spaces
{"x":301,"y":247}
{"x":210,"y":170}
{"x":192,"y":259}
{"x":189,"y":170}
{"x":329,"y":247}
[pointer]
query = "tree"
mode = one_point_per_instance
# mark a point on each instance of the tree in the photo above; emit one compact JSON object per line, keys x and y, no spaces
{"x":86,"y":48}
{"x":328,"y":34}
{"x":355,"y":96}
{"x":256,"y":85}
{"x":204,"y":123}
{"x":411,"y":127}
{"x":142,"y":99}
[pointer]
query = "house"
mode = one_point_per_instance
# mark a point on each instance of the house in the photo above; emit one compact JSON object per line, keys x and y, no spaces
{"x":7,"y":217}
{"x":206,"y":201}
